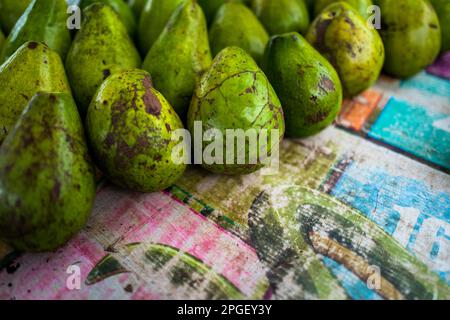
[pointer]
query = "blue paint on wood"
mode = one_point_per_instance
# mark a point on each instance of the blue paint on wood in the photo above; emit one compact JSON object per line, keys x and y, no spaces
{"x":378,"y":195}
{"x":416,"y":130}
{"x":355,"y":288}
{"x":429,"y":84}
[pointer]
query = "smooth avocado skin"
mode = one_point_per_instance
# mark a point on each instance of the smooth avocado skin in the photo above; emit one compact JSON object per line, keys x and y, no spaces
{"x":33,"y":68}
{"x":10,"y":12}
{"x":442,"y":8}
{"x":121,"y":8}
{"x":235,"y":94}
{"x":356,"y":51}
{"x":411,"y":35}
{"x":130,"y":127}
{"x":47,"y":185}
{"x":282,"y":16}
{"x":306,"y":83}
{"x":360,"y":5}
{"x":101,"y":47}
{"x":154,"y":18}
{"x":236,"y":25}
{"x":44,"y":21}
{"x":179,"y":56}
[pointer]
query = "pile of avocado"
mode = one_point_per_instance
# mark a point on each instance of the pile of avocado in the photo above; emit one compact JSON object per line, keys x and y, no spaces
{"x":110,"y":95}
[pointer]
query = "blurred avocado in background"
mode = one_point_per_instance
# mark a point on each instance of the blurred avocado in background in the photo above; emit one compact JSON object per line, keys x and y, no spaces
{"x":10,"y":12}
{"x":121,"y":8}
{"x":210,"y":7}
{"x":442,"y":8}
{"x":237,"y":25}
{"x":360,"y":5}
{"x":44,"y":20}
{"x":137,"y":6}
{"x":411,"y":35}
{"x":282,"y":16}
{"x":154,"y":18}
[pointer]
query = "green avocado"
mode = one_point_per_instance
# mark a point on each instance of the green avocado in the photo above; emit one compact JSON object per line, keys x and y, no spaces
{"x":442,"y":8}
{"x":122,"y":10}
{"x":356,"y":51}
{"x":306,"y":83}
{"x":282,"y":16}
{"x":210,"y":7}
{"x":360,"y":5}
{"x":153,"y":20}
{"x":137,"y":6}
{"x":33,"y":68}
{"x":10,"y":12}
{"x":179,"y":56}
{"x":47,"y":184}
{"x":236,"y":25}
{"x":235,"y":95}
{"x":102,"y":47}
{"x":2,"y":40}
{"x":411,"y":35}
{"x":44,"y":20}
{"x":130,"y":127}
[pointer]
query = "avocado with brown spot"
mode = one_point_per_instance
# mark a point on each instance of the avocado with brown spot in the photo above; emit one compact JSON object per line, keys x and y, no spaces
{"x":102,"y":46}
{"x":47,"y":185}
{"x":24,"y":74}
{"x":10,"y":12}
{"x":282,"y":16}
{"x":121,"y":8}
{"x":153,"y":20}
{"x":355,"y":50}
{"x":442,"y":8}
{"x":236,"y":25}
{"x":306,"y":83}
{"x":127,"y":125}
{"x":223,"y":102}
{"x":45,"y":21}
{"x":179,"y":56}
{"x":362,"y":6}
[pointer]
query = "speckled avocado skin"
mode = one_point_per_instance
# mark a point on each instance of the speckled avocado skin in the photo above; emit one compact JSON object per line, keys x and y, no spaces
{"x":101,"y":47}
{"x":45,"y":21}
{"x":153,"y":20}
{"x":10,"y":12}
{"x":356,"y":51}
{"x":47,"y":184}
{"x":33,"y":68}
{"x":235,"y":94}
{"x":282,"y":16}
{"x":210,"y":7}
{"x":442,"y":8}
{"x":411,"y":35}
{"x":130,"y":127}
{"x":360,"y":5}
{"x":306,"y":83}
{"x":236,"y":25}
{"x":179,"y":56}
{"x":122,"y":10}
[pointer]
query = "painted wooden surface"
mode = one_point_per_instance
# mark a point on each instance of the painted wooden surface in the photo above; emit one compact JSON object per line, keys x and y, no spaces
{"x":369,"y":196}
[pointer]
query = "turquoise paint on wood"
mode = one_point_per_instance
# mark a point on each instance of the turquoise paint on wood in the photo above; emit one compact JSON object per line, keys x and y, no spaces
{"x":416,"y":129}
